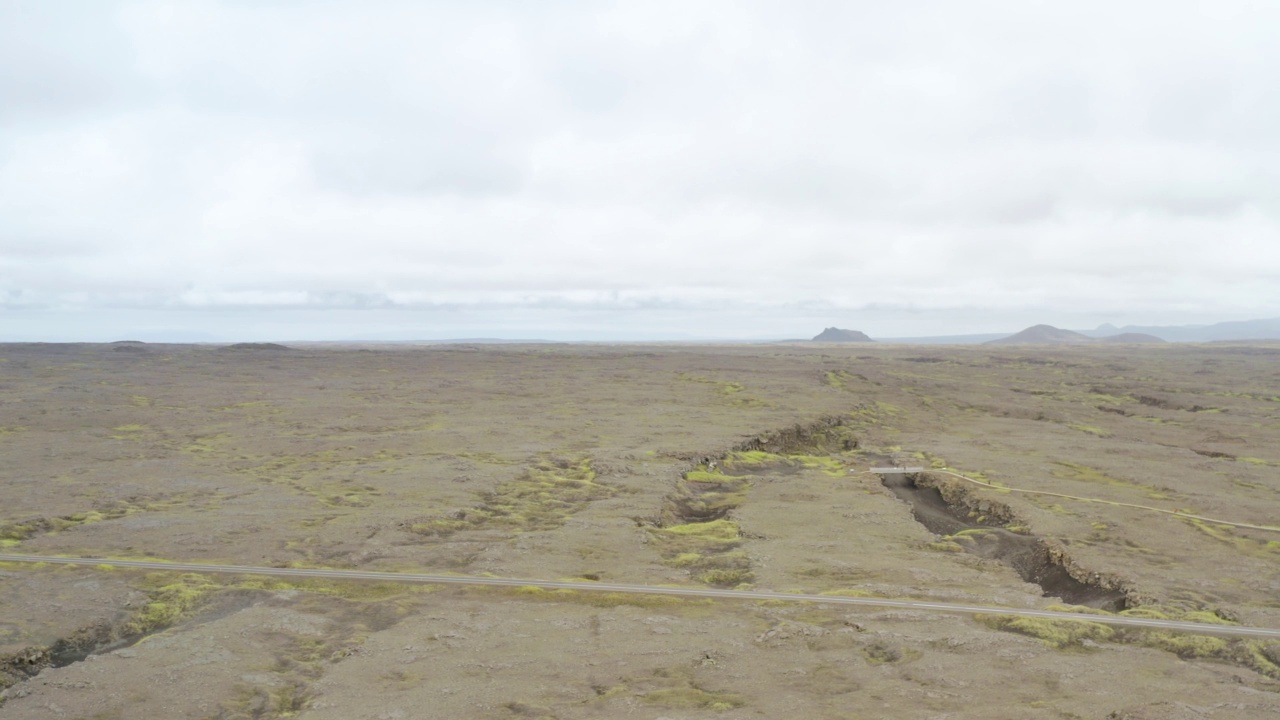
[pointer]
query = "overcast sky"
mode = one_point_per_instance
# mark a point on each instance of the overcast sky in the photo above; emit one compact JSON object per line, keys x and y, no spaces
{"x":324,"y":170}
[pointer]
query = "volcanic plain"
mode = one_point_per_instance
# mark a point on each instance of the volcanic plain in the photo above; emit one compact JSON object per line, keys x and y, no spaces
{"x":736,"y":466}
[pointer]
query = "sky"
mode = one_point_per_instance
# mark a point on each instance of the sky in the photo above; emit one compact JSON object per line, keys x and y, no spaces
{"x":276,"y":170}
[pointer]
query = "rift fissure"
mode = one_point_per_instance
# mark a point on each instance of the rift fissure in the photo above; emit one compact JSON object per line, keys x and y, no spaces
{"x":982,"y":531}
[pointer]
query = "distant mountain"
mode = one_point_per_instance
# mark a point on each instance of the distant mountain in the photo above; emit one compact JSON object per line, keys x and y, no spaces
{"x":1043,"y":335}
{"x":834,"y":334}
{"x":257,"y":346}
{"x":1268,"y":329}
{"x":1050,"y":335}
{"x":945,"y":339}
{"x":1224,"y":331}
{"x":1130,"y":338}
{"x":486,"y":341}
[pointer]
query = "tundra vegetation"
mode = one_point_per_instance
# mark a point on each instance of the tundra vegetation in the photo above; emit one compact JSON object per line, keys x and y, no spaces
{"x":735,"y":467}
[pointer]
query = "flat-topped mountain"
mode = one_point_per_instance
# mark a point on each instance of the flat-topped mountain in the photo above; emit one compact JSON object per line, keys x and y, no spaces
{"x":835,"y":334}
{"x":1043,"y":335}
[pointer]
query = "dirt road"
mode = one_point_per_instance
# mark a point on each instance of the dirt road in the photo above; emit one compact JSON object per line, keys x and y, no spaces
{"x":1189,"y":627}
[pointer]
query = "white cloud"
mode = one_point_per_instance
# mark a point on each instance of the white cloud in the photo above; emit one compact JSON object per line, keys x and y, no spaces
{"x":667,"y":161}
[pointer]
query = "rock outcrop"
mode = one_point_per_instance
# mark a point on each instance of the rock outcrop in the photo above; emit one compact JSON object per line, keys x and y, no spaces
{"x":834,"y":334}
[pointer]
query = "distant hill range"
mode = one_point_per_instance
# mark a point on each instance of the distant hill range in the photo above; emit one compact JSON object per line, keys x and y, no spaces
{"x":257,"y":346}
{"x":834,"y":334}
{"x":1268,"y":329}
{"x":1050,"y":335}
{"x":1131,"y":337}
{"x":1219,"y":332}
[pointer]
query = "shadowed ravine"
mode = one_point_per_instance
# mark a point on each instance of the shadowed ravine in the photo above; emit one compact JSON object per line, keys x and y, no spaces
{"x":1028,"y":555}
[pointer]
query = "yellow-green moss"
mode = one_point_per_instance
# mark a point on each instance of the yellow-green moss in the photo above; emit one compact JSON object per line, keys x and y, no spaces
{"x":728,"y":577}
{"x":849,"y":592}
{"x":128,"y":432}
{"x":715,"y":531}
{"x":752,"y":458}
{"x":1258,"y":655}
{"x":355,"y":590}
{"x":706,"y":498}
{"x":18,"y":532}
{"x":1256,"y":461}
{"x":1089,"y":429}
{"x":170,"y":600}
{"x":1063,"y":634}
{"x":692,"y":698}
{"x":1149,"y":613}
{"x":707,"y":476}
{"x":708,"y":550}
{"x":826,"y":463}
{"x":732,"y":391}
{"x":1226,"y":534}
{"x":541,"y":498}
{"x":1183,"y":645}
{"x":684,"y":560}
{"x":1055,"y":633}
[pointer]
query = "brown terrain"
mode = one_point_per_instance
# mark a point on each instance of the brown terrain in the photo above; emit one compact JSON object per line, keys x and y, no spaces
{"x":731,"y":466}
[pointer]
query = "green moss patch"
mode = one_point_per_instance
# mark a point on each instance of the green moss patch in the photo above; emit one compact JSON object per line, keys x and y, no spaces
{"x":753,"y":459}
{"x":1258,"y":461}
{"x":541,"y":498}
{"x":693,"y":698}
{"x":15,"y":533}
{"x":708,"y":550}
{"x":828,"y":464}
{"x":734,"y":392}
{"x":1085,"y":473}
{"x":704,"y":495}
{"x":1063,"y":634}
{"x":842,"y":379}
{"x":1089,"y":430}
{"x":1227,"y":535}
{"x":675,"y":688}
{"x":170,"y":600}
{"x":1055,"y":633}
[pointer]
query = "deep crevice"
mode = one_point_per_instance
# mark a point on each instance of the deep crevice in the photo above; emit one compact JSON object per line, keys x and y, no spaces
{"x":104,"y":637}
{"x":695,"y":530}
{"x":979,"y":531}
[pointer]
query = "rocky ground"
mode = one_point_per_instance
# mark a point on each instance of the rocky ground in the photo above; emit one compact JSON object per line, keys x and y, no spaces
{"x":729,"y":466}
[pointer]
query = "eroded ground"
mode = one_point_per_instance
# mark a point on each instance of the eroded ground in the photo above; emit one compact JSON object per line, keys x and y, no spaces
{"x":659,"y":465}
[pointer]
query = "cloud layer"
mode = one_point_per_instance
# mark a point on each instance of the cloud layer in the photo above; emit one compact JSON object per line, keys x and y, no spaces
{"x":672,"y":165}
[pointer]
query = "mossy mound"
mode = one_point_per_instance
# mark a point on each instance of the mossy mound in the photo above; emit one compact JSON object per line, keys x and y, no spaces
{"x":1062,"y":634}
{"x":541,"y":498}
